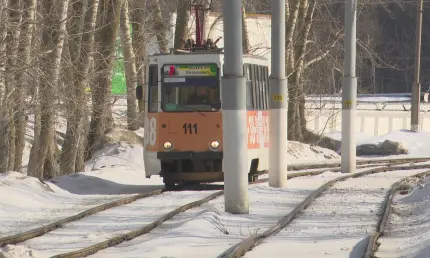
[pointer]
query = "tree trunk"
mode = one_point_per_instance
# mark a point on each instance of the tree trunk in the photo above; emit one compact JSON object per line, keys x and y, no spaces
{"x":83,"y":141}
{"x":4,"y":121}
{"x":75,"y":131}
{"x":105,"y":39}
{"x":12,"y":40}
{"x":35,"y":91}
{"x":181,"y":26}
{"x":294,"y":123}
{"x":24,"y":55}
{"x":11,"y":159}
{"x":139,"y":47}
{"x":4,"y":140}
{"x":245,"y":41}
{"x":130,"y":68}
{"x":160,"y":27}
{"x":47,"y":164}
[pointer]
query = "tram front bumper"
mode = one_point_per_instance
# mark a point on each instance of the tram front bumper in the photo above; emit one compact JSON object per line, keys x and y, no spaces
{"x":176,"y":173}
{"x":205,"y":155}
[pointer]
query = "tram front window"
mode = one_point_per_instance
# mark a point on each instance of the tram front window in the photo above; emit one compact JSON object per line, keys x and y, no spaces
{"x":180,"y":98}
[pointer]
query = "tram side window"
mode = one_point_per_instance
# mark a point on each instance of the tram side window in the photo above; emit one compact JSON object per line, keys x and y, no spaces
{"x":266,"y":85}
{"x":153,"y":88}
{"x":254,"y":84}
{"x":259,"y":88}
{"x":249,"y":92}
{"x":262,"y":92}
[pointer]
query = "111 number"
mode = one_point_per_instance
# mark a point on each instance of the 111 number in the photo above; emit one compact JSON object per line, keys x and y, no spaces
{"x":190,"y":128}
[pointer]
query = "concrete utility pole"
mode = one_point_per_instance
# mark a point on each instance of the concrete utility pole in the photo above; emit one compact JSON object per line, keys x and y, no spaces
{"x":349,"y":91}
{"x":234,"y":127}
{"x":416,"y":87}
{"x":278,"y":113}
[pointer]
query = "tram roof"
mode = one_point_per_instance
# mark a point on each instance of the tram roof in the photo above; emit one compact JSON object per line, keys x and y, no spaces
{"x":204,"y":52}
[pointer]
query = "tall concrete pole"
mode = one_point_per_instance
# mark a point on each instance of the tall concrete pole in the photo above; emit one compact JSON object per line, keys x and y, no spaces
{"x":349,"y":91}
{"x":278,"y":113}
{"x":235,"y":130}
{"x":416,"y":87}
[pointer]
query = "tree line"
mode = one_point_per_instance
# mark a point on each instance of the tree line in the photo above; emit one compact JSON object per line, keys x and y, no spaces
{"x":53,"y":51}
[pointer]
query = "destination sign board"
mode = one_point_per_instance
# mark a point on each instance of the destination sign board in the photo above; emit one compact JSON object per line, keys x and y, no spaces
{"x":185,"y":70}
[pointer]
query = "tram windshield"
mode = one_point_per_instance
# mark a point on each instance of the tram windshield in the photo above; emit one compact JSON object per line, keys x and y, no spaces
{"x":188,"y":88}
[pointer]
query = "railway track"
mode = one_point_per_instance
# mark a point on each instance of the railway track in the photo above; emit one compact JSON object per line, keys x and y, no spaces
{"x":240,"y":249}
{"x":301,"y":170}
{"x":373,"y":244}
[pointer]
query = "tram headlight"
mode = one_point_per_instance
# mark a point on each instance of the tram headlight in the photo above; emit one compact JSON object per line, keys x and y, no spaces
{"x":167,"y":145}
{"x":214,"y":144}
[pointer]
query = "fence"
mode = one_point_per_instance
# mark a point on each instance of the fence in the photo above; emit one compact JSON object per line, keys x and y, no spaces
{"x":372,"y":118}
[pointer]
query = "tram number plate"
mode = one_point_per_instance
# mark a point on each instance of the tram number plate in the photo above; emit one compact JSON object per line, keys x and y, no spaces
{"x":190,"y":128}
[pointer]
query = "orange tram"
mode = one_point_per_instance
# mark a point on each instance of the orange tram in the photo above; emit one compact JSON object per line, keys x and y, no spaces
{"x":183,"y":116}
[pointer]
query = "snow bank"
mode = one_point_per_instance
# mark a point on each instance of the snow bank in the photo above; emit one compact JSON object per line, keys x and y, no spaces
{"x":417,"y":143}
{"x":12,"y":251}
{"x":407,"y":233}
{"x":119,"y":154}
{"x":360,"y":137}
{"x":26,"y":202}
{"x":298,"y":152}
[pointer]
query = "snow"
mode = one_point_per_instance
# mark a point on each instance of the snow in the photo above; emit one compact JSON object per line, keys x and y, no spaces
{"x":110,"y":223}
{"x":417,"y":143}
{"x":304,"y":153}
{"x":25,"y":200}
{"x":210,"y":230}
{"x":360,"y":137}
{"x":362,"y":98}
{"x":336,"y":224}
{"x":408,"y":229}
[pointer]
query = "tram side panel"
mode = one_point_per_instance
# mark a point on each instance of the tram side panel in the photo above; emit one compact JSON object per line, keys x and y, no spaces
{"x":258,"y":138}
{"x":151,"y":145}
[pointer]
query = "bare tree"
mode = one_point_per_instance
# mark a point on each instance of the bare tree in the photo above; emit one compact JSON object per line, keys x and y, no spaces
{"x":46,"y":164}
{"x":12,"y":41}
{"x":139,"y":41}
{"x":182,"y":20}
{"x":4,"y":121}
{"x":24,"y":59}
{"x":107,"y":31}
{"x":160,"y":27}
{"x":245,"y":37}
{"x":130,"y":68}
{"x":83,"y":50}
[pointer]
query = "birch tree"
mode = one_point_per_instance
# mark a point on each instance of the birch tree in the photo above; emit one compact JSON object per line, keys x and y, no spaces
{"x":130,"y":68}
{"x":24,"y":62}
{"x":107,"y":31}
{"x":159,"y":26}
{"x":4,"y":135}
{"x":139,"y":41}
{"x":84,"y":47}
{"x":12,"y":41}
{"x":182,"y":20}
{"x":44,"y":163}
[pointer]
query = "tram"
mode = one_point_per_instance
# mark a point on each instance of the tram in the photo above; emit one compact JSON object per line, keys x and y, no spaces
{"x":183,"y":114}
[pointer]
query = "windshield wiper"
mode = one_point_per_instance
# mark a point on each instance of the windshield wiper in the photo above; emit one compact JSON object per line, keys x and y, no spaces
{"x":193,"y":110}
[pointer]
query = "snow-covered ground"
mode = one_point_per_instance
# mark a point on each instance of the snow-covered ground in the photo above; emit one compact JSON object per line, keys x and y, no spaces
{"x":118,"y":171}
{"x":338,"y":223}
{"x":408,"y":230}
{"x":368,"y":99}
{"x":417,"y":143}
